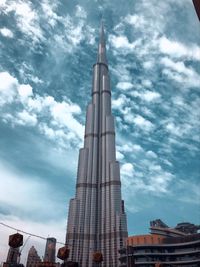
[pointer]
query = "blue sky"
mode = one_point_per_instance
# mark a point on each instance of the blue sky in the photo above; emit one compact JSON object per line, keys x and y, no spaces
{"x":47,"y":49}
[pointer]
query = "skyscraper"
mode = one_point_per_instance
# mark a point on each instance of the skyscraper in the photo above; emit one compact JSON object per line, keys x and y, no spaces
{"x":33,"y":258}
{"x":96,"y":219}
{"x":13,"y":255}
{"x":50,"y":250}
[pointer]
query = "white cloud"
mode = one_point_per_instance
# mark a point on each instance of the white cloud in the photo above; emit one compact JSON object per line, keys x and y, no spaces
{"x":26,"y":74}
{"x":76,"y":34}
{"x":121,"y":43}
{"x":143,"y":123}
{"x":146,"y":111}
{"x":28,"y":21}
{"x":171,"y":127}
{"x":182,"y":125}
{"x":124,"y":85}
{"x":150,"y":96}
{"x":63,"y":112}
{"x":137,"y":148}
{"x":180,"y":73}
{"x":122,"y":72}
{"x":90,"y":34}
{"x":146,"y":83}
{"x":49,"y":132}
{"x":167,"y":162}
{"x":76,"y":30}
{"x":180,"y":129}
{"x":119,"y":102}
{"x":32,"y":109}
{"x":119,"y":155}
{"x":130,"y":148}
{"x":147,"y":178}
{"x":127,"y":169}
{"x":151,"y":154}
{"x":26,"y":17}
{"x":131,"y":117}
{"x":159,"y":182}
{"x":48,"y":9}
{"x":6,"y":81}
{"x":146,"y":95}
{"x":25,"y":118}
{"x":155,"y":179}
{"x":179,"y":50}
{"x":25,"y":91}
{"x":80,"y":12}
{"x":8,"y":85}
{"x":136,"y":20}
{"x":177,"y":66}
{"x":148,"y":64}
{"x":186,"y":189}
{"x":6,"y":32}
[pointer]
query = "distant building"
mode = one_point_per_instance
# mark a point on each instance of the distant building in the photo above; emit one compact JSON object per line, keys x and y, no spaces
{"x":165,"y":246}
{"x":182,"y":229}
{"x":33,"y":258}
{"x":50,"y":250}
{"x":13,"y":255}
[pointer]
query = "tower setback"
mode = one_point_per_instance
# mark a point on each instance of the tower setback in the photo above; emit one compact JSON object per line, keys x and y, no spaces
{"x":96,"y":218}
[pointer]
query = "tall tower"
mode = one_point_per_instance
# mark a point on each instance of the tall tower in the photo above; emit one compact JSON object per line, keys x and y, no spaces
{"x":50,"y":250}
{"x":96,"y":219}
{"x":13,"y":255}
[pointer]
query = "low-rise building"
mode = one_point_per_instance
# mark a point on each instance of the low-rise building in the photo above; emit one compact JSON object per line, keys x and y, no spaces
{"x":163,"y":247}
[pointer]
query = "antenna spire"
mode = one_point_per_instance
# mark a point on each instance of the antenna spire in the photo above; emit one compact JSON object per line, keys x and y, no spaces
{"x":102,"y":45}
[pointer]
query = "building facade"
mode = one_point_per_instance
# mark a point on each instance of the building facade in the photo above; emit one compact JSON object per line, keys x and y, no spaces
{"x":50,"y":250}
{"x":96,"y":218}
{"x":164,"y":247}
{"x":13,"y":256}
{"x":33,"y":258}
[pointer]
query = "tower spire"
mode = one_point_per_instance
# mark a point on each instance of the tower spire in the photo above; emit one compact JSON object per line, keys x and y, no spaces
{"x":102,"y":46}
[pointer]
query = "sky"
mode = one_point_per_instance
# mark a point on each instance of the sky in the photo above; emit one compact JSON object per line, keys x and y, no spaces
{"x":47,"y":50}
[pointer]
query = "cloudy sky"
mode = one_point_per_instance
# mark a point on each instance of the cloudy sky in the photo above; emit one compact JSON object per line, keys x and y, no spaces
{"x":47,"y":49}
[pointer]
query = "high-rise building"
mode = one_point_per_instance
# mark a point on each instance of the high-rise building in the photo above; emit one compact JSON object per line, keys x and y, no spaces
{"x":13,"y":255}
{"x":97,"y":219}
{"x":50,"y":250}
{"x":33,"y":258}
